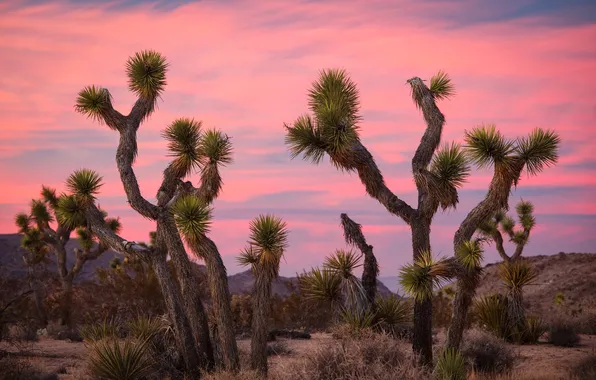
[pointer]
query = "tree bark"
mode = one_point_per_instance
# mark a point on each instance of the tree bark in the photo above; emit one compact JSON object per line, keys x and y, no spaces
{"x":261,"y":305}
{"x":35,"y":285}
{"x":183,"y":333}
{"x":66,"y":303}
{"x":422,"y":339}
{"x":220,"y":295}
{"x":190,"y":295}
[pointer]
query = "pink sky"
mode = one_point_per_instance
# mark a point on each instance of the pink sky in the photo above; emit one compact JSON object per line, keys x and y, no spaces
{"x":245,"y":66}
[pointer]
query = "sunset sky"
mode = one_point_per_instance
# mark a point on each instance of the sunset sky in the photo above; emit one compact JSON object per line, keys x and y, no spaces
{"x":245,"y":67}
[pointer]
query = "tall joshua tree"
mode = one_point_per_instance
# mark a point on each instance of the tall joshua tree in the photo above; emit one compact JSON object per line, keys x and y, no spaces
{"x":354,"y":236}
{"x":39,"y":236}
{"x":267,"y":242}
{"x":333,"y":129}
{"x":190,"y":150}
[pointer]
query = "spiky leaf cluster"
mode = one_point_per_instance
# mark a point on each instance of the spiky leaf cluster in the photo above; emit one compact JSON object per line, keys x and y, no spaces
{"x":539,"y":150}
{"x":40,"y":213}
{"x":85,"y":238}
{"x":517,"y":274}
{"x":421,"y":277}
{"x":449,"y":170}
{"x":486,"y":146}
{"x":470,"y":254}
{"x":267,"y":241}
{"x":321,"y":286}
{"x":146,"y":72}
{"x":49,"y":196}
{"x":183,"y":136}
{"x":392,"y":310}
{"x":441,"y":86}
{"x":70,"y":212}
{"x":93,"y":102}
{"x":23,"y":222}
{"x":216,"y":147}
{"x":85,"y":184}
{"x":192,"y":216}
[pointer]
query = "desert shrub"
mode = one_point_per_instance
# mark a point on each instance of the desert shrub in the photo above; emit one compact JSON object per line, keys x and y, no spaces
{"x":374,"y":357}
{"x":451,"y":366}
{"x":358,"y":320}
{"x":491,"y":314}
{"x":535,"y":328}
{"x":585,"y":369}
{"x":279,"y":348}
{"x":100,"y":331}
{"x":114,"y":360}
{"x":486,"y":353}
{"x":586,"y":323}
{"x":17,"y":369}
{"x":392,"y":310}
{"x":562,"y":333}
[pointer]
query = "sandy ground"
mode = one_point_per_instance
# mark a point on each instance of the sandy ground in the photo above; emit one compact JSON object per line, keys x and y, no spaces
{"x":69,"y":358}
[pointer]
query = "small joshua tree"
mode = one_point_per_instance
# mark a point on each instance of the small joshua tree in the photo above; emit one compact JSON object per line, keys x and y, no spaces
{"x":333,"y":129}
{"x":354,"y":236}
{"x":267,"y":242}
{"x":191,"y":149}
{"x":514,"y":272}
{"x":40,"y":238}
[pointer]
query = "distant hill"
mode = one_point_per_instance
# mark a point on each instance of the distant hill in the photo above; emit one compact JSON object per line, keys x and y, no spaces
{"x":11,"y":265}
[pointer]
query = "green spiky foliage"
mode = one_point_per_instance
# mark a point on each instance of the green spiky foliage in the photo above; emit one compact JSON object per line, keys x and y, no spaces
{"x":93,"y":102}
{"x":70,"y":212}
{"x":216,"y":147}
{"x":539,"y":150}
{"x":84,"y":184}
{"x":424,"y":275}
{"x":183,"y":137}
{"x":113,"y":360}
{"x":470,"y":255}
{"x":450,"y":169}
{"x":516,"y":275}
{"x":487,"y":147}
{"x":392,"y":311}
{"x":451,"y":366}
{"x":441,"y":86}
{"x":144,"y":328}
{"x":107,"y":329}
{"x":321,"y":285}
{"x":267,"y":242}
{"x":358,"y":320}
{"x":343,"y":264}
{"x":491,"y":312}
{"x":192,"y":216}
{"x":146,"y":71}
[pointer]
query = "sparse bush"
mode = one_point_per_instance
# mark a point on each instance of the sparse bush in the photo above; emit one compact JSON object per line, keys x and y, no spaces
{"x":587,"y":323}
{"x":535,"y":328}
{"x":392,"y":310}
{"x":17,"y":369}
{"x":374,"y":357}
{"x":100,"y":331}
{"x":585,"y":369}
{"x":114,"y":360}
{"x":562,"y":333}
{"x":451,"y":366}
{"x":486,"y":353}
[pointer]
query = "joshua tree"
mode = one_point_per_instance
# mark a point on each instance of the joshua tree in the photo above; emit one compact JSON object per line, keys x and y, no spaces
{"x":190,"y":150}
{"x":490,"y":229}
{"x":40,"y":238}
{"x":438,"y":173}
{"x":336,"y":284}
{"x":354,"y":236}
{"x":266,"y":245}
{"x":514,"y":272}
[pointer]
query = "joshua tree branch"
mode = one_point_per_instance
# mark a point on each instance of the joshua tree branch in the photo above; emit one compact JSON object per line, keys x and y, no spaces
{"x":97,"y":226}
{"x":520,"y":246}
{"x":498,"y":239}
{"x":125,"y":155}
{"x":141,"y":109}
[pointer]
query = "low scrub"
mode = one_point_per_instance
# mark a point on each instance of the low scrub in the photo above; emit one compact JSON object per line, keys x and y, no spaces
{"x":95,"y":332}
{"x":585,"y":368}
{"x":451,"y":366}
{"x":114,"y":360}
{"x":562,"y":333}
{"x":485,"y":353}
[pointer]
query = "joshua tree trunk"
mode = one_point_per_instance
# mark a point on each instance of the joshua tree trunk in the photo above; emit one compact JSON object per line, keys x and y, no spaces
{"x":35,"y":285}
{"x":261,"y":305}
{"x":183,"y":333}
{"x":190,"y":295}
{"x":517,"y":315}
{"x":422,"y":339}
{"x":66,"y":303}
{"x":222,"y":308}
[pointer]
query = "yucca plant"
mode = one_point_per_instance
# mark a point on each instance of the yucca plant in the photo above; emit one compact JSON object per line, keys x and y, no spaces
{"x":321,"y":286}
{"x":48,"y":227}
{"x":451,"y":366}
{"x":492,"y":314}
{"x":191,"y":149}
{"x":115,"y":360}
{"x":516,"y":275}
{"x":332,"y":128}
{"x":358,"y":320}
{"x":144,"y":328}
{"x":535,"y":329}
{"x":267,"y":243}
{"x":343,"y":263}
{"x":392,"y":310}
{"x":108,"y":329}
{"x":423,"y":276}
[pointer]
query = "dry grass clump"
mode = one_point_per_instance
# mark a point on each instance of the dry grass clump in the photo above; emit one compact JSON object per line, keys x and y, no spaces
{"x":486,"y":353}
{"x":585,"y":368}
{"x":279,"y":348}
{"x":17,"y":369}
